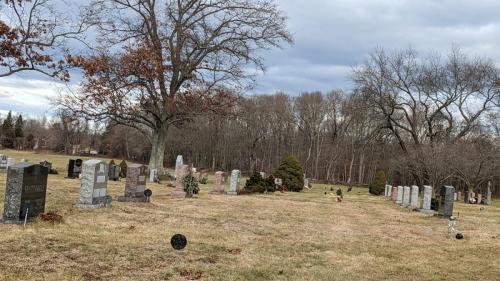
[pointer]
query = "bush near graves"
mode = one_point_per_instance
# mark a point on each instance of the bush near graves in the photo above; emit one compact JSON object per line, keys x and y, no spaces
{"x":377,"y":187}
{"x":191,"y":184}
{"x":123,"y":169}
{"x":256,"y":184}
{"x":292,"y":174}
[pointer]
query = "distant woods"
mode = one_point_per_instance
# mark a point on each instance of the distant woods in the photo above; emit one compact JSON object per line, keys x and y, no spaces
{"x":420,"y":120}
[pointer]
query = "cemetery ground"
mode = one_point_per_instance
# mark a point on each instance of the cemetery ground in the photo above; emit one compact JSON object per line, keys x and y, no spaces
{"x":291,"y":236}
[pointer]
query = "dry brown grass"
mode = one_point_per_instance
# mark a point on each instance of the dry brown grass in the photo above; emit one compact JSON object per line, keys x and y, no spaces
{"x":304,"y":236}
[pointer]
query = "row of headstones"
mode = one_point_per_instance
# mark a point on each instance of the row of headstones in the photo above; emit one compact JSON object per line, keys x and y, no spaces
{"x":408,"y":197}
{"x":27,"y":186}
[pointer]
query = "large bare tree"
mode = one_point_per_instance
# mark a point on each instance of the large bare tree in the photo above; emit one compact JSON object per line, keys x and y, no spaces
{"x":161,"y":62}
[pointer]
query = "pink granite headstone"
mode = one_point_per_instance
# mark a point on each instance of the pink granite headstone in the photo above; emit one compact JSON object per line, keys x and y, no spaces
{"x":179,"y":183}
{"x":218,"y":184}
{"x":394,"y":194}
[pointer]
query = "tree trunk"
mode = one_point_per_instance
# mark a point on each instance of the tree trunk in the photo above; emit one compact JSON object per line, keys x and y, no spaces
{"x":158,"y":142}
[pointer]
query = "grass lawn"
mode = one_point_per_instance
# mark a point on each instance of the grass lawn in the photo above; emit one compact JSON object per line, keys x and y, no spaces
{"x":292,"y":236}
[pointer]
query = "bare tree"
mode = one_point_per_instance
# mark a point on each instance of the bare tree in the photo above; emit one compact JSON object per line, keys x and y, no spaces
{"x":33,"y":37}
{"x":166,"y":61}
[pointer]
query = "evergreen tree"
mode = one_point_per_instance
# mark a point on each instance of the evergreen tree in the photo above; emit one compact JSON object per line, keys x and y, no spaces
{"x":377,"y":186}
{"x":291,"y":173}
{"x":8,"y":132}
{"x":19,"y":127}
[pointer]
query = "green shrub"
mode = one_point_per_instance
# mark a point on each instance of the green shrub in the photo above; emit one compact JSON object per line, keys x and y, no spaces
{"x":111,"y":163}
{"x":377,"y":186}
{"x":292,"y":174}
{"x":191,"y":184}
{"x":434,"y":204}
{"x":255,"y":184}
{"x":123,"y":169}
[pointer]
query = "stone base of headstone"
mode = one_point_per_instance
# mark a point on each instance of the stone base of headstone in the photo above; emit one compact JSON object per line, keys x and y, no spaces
{"x":430,"y":212}
{"x":15,"y":221}
{"x":94,"y":206}
{"x":231,"y":193}
{"x":132,"y":199}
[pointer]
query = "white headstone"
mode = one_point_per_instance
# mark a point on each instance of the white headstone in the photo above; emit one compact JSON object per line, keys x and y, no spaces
{"x":406,"y":196}
{"x":235,"y":182}
{"x":426,"y":205}
{"x":399,"y":199}
{"x":152,"y":175}
{"x":178,"y":165}
{"x":414,"y":196}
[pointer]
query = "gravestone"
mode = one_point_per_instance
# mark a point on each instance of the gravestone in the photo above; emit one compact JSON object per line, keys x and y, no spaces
{"x":114,"y":172}
{"x":394,"y":193}
{"x":10,"y":162}
{"x":94,"y":185}
{"x":406,"y":196}
{"x":178,"y":165}
{"x":446,"y":201}
{"x":24,"y":161}
{"x":488,"y":194}
{"x":459,"y":195}
{"x":306,"y":183}
{"x":25,"y":192}
{"x":47,"y":164}
{"x":74,"y":168}
{"x":414,"y":197}
{"x":479,"y":198}
{"x":263,"y":175}
{"x":388,"y":190}
{"x":153,"y":174}
{"x":218,"y":183}
{"x":3,"y":161}
{"x":235,"y":182}
{"x":426,"y":203}
{"x":179,"y":183}
{"x":466,"y":197}
{"x":399,"y":197}
{"x":455,"y":197}
{"x":135,"y":184}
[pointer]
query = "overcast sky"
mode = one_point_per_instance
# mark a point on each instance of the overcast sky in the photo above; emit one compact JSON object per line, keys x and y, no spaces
{"x":332,"y":37}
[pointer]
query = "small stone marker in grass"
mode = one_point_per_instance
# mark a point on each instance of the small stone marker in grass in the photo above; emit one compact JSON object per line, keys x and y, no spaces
{"x":178,"y":242}
{"x":25,"y":192}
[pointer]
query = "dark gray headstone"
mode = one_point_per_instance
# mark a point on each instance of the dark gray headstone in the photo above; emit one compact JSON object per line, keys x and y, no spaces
{"x":25,"y":192}
{"x":3,"y":161}
{"x":447,"y":194}
{"x":114,"y":172}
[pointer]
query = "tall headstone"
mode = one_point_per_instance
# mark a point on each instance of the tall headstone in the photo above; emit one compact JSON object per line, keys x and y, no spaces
{"x":235,"y":182}
{"x":153,"y":174}
{"x":406,"y":196}
{"x":135,"y":184}
{"x":394,"y":193}
{"x":414,"y":197}
{"x":455,"y":197}
{"x":306,"y":183}
{"x":399,"y":197}
{"x":114,"y":172}
{"x":218,"y":183}
{"x":178,"y":165}
{"x":446,"y":201}
{"x":179,"y":183}
{"x":388,"y":190}
{"x":479,"y":198}
{"x":94,"y":185}
{"x":426,"y":203}
{"x":488,"y":194}
{"x":25,"y":192}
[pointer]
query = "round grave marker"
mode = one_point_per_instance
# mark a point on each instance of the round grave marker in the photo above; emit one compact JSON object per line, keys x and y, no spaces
{"x":148,"y":192}
{"x":178,"y":241}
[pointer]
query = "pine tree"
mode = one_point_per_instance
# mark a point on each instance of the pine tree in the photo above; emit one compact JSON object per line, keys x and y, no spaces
{"x":19,"y":127}
{"x":291,"y":173}
{"x":8,"y":131}
{"x":377,"y":186}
